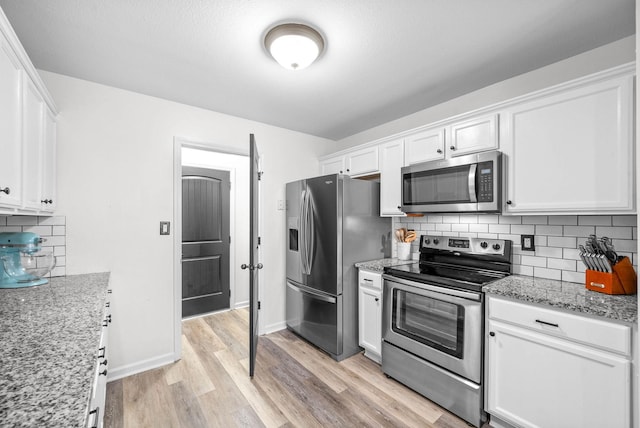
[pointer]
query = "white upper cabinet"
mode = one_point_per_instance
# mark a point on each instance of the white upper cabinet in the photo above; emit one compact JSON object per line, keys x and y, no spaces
{"x":27,"y":130}
{"x":32,"y":141}
{"x":570,"y":150}
{"x":334,"y":165}
{"x":424,"y":146}
{"x":391,"y":157}
{"x":49,"y":172}
{"x":10,"y":127}
{"x":473,"y":135}
{"x":354,"y":163}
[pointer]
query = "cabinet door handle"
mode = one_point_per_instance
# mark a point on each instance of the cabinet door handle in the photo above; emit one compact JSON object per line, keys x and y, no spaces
{"x":509,"y":202}
{"x":439,"y":151}
{"x":452,"y":147}
{"x":547,"y":323}
{"x":367,"y":280}
{"x":5,"y":190}
{"x":491,"y":333}
{"x":96,"y":413}
{"x":377,"y":299}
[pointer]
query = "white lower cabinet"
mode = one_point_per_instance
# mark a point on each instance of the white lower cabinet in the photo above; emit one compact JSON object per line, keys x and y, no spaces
{"x":543,"y":370}
{"x":370,"y":313}
{"x":97,"y":400}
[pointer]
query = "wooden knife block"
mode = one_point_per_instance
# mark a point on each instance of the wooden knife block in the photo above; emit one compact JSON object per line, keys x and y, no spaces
{"x":622,"y":280}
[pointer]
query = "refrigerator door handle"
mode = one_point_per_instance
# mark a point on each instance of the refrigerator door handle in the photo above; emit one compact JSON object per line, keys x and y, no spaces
{"x":313,"y":294}
{"x":312,"y":232}
{"x":303,"y":229}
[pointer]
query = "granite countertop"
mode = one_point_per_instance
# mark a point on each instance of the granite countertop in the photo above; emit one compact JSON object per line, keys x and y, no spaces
{"x":566,"y":295}
{"x":49,"y":337}
{"x":379,"y":265}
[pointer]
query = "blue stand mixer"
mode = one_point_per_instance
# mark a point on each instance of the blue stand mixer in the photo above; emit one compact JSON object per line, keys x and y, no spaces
{"x":20,"y":263}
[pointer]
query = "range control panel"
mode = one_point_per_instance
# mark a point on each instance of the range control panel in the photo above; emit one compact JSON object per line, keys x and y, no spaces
{"x":464,"y":245}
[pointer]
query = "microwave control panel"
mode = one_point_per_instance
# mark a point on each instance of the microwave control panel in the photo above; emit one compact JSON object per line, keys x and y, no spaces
{"x":485,"y":181}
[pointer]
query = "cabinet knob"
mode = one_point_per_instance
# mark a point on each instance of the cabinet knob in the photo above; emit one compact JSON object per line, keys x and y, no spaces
{"x":491,"y":334}
{"x":341,"y":172}
{"x":452,"y":147}
{"x":348,"y":170}
{"x":377,"y":299}
{"x":439,"y":151}
{"x":5,"y":190}
{"x":103,"y":373}
{"x":509,"y":202}
{"x":104,"y":362}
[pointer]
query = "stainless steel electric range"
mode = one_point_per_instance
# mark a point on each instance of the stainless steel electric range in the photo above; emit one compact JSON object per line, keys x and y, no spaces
{"x":433,"y":313}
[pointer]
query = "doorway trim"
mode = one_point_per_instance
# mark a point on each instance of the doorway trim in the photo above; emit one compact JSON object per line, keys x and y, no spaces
{"x":178,"y":144}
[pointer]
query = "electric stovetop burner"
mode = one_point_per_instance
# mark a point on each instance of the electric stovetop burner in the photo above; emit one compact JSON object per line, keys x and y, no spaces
{"x":466,"y":263}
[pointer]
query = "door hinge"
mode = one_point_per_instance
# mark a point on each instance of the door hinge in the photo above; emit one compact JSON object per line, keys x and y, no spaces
{"x":259,"y":241}
{"x":260,"y":175}
{"x":258,"y":304}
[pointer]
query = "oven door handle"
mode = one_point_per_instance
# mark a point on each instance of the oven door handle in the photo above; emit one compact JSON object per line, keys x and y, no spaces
{"x":431,"y":290}
{"x":472,"y":182}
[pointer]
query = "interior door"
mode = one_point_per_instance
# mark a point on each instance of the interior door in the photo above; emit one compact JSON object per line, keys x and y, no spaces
{"x":205,"y":240}
{"x":254,"y":255}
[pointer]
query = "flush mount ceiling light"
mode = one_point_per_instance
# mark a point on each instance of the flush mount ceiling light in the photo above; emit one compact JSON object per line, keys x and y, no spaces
{"x":294,"y":46}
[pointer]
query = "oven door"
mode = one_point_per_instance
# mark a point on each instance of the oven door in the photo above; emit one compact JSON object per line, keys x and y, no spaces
{"x":438,"y":324}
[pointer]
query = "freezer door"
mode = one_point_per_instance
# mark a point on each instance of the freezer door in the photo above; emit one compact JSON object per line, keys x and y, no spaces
{"x":324,"y":250}
{"x":315,"y":316}
{"x":294,"y":257}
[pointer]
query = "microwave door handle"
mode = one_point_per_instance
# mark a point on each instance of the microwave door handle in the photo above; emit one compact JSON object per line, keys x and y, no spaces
{"x":472,"y":183}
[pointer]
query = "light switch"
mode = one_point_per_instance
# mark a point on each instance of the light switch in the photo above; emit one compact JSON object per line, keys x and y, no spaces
{"x":165,"y":228}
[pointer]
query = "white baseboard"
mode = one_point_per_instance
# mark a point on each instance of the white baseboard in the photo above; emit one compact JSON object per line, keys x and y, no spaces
{"x":139,"y":367}
{"x":272,"y":328}
{"x":240,"y":305}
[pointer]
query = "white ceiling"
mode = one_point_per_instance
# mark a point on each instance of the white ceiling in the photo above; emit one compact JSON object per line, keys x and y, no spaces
{"x":384,"y":59}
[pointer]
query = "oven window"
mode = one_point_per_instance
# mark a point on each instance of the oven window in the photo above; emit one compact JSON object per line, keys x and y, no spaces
{"x":441,"y":186}
{"x":430,"y":321}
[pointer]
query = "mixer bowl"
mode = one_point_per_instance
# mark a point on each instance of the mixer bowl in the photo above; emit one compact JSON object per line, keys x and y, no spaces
{"x":28,"y":267}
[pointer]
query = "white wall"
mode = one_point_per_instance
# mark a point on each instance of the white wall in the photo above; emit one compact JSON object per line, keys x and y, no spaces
{"x":238,"y":166}
{"x":115,"y":184}
{"x":607,"y":56}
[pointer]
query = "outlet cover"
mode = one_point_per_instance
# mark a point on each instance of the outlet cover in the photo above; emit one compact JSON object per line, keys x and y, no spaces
{"x":528,"y":243}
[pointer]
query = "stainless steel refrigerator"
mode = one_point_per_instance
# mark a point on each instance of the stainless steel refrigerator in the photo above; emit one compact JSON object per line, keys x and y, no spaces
{"x":333,"y":222}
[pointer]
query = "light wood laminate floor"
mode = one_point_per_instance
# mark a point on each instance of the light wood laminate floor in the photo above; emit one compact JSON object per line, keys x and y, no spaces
{"x":295,"y":385}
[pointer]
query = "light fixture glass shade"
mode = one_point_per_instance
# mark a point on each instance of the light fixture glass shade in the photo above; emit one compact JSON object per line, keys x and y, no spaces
{"x":294,"y":46}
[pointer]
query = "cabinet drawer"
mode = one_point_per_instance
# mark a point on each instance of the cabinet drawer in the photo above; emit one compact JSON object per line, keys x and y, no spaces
{"x":601,"y":334}
{"x":370,"y":279}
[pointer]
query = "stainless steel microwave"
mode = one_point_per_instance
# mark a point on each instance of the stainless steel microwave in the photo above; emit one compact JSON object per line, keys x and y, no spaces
{"x":471,"y":183}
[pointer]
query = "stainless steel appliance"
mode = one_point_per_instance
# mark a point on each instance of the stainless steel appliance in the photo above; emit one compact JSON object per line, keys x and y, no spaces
{"x":432,"y":318}
{"x":332,"y":222}
{"x":469,"y":183}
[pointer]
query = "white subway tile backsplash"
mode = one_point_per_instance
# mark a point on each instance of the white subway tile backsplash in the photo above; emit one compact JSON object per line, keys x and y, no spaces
{"x":549,"y":230}
{"x":594,"y":220}
{"x":561,"y":264}
{"x":451,"y":219}
{"x":535,"y":219}
{"x":3,"y":220}
{"x":52,"y":221}
{"x":39,"y":230}
{"x":558,"y":241}
{"x":541,"y":272}
{"x":10,"y":229}
{"x":549,"y":252}
{"x":579,"y":231}
{"x":625,"y":220}
{"x":615,"y":232}
{"x":19,"y":220}
{"x":534,"y":261}
{"x":488,"y":219}
{"x":499,"y":228}
{"x":479,"y":228}
{"x":564,"y":220}
{"x":58,"y":230}
{"x":556,"y":238}
{"x":458,"y":227}
{"x":523,"y":229}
